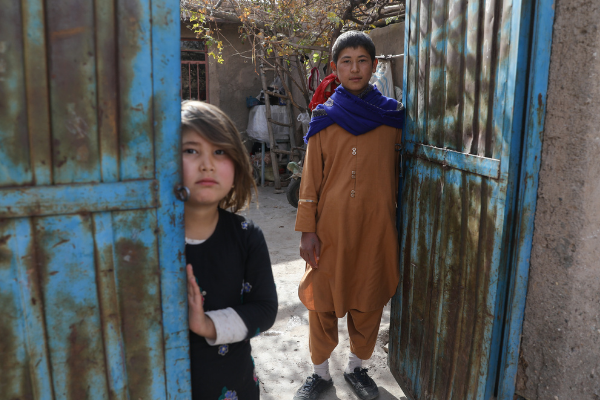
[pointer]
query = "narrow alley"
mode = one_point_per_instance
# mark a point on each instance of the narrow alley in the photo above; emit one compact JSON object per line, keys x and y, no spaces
{"x":281,"y":354}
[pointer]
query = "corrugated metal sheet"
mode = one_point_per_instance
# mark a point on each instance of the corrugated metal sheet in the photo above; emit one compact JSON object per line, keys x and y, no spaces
{"x":465,"y":79}
{"x":92,"y":285}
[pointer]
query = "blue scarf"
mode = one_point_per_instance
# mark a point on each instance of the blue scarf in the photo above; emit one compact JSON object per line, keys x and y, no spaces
{"x":356,"y":114}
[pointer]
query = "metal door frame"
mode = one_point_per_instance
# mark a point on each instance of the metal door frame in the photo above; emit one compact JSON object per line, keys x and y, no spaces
{"x":169,"y":214}
{"x":523,"y":225}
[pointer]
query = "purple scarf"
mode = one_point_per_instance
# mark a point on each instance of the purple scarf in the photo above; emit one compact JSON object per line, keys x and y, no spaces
{"x":356,"y":114}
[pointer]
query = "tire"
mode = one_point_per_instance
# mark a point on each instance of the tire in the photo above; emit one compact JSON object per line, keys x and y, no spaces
{"x":293,"y":192}
{"x":256,"y":175}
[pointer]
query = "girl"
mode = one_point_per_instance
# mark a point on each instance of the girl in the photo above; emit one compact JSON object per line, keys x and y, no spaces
{"x":231,"y":292}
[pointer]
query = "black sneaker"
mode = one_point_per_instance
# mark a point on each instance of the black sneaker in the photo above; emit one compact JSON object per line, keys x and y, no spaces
{"x":312,"y":388}
{"x":362,"y":384}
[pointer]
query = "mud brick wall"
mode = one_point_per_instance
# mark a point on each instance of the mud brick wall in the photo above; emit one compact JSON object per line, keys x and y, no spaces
{"x":233,"y":80}
{"x":390,"y":40}
{"x":560,"y":348}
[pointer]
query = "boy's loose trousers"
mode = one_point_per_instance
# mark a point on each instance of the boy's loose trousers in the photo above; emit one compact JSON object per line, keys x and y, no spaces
{"x":323,"y":336}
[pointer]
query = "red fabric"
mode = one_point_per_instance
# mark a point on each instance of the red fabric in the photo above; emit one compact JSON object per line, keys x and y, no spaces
{"x":324,"y":91}
{"x":313,"y":79}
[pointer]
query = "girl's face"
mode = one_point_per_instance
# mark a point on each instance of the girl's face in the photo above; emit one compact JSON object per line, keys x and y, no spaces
{"x":207,"y":171}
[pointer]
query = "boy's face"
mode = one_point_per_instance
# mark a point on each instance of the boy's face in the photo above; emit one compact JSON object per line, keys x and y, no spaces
{"x":354,"y":69}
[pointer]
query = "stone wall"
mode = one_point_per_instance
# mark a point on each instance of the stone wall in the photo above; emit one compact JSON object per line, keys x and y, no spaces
{"x":560,"y":347}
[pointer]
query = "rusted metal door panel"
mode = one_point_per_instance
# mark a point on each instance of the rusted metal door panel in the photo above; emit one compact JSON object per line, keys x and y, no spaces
{"x":36,"y":86}
{"x":65,"y":253}
{"x":138,"y":289}
{"x":135,"y":76}
{"x":13,"y":349}
{"x":92,"y":281}
{"x":14,"y":148}
{"x":461,"y":148}
{"x":74,"y":111}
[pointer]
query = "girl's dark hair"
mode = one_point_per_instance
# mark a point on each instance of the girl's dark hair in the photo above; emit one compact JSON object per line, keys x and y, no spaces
{"x":214,"y":126}
{"x":352,"y":39}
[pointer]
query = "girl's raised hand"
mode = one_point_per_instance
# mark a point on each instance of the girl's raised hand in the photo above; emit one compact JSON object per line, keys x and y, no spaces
{"x":198,"y":321}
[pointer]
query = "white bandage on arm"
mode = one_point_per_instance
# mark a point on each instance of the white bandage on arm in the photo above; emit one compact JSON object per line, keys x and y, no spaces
{"x":229,"y":326}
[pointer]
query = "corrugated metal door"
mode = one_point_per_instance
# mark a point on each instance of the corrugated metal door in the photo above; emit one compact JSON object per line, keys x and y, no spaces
{"x":92,"y":289}
{"x":465,"y":78}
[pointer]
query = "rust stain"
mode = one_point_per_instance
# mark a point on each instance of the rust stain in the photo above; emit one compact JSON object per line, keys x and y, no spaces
{"x":61,"y":163}
{"x":60,"y":242}
{"x":77,"y":363}
{"x":73,"y":102}
{"x":139,"y":311}
{"x":13,"y":101}
{"x":4,"y":239}
{"x":15,"y":380}
{"x":67,"y":32}
{"x":540,"y":110}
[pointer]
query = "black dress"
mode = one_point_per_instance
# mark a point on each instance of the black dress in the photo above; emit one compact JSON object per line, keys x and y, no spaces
{"x":233,"y":269}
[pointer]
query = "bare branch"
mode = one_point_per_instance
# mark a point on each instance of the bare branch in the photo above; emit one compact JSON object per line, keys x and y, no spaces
{"x":295,"y":29}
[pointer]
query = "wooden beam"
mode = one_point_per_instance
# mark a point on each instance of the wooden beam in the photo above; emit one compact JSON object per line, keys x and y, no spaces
{"x":281,"y":96}
{"x":271,"y":120}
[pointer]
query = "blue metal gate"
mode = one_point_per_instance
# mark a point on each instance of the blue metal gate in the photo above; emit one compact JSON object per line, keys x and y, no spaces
{"x":92,"y":286}
{"x":466,"y":193}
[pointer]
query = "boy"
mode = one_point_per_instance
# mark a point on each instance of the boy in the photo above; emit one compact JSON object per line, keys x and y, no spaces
{"x":347,"y":213}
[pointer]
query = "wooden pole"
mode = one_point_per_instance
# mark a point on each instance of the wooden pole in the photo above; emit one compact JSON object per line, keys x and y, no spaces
{"x":273,"y":144}
{"x":288,"y":106}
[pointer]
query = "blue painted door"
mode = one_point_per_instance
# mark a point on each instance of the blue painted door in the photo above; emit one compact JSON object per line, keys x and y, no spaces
{"x":465,"y":81}
{"x":92,"y":285}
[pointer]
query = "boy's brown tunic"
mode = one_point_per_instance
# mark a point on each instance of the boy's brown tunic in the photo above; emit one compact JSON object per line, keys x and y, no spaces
{"x":348,"y":197}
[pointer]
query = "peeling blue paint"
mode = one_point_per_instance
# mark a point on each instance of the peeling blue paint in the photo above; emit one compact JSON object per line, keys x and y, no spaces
{"x":91,"y":239}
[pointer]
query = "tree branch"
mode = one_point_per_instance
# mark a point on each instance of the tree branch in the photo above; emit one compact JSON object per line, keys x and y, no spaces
{"x":225,"y":16}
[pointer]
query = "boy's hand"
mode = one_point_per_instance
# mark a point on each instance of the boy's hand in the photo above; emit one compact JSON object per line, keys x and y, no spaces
{"x":310,"y":248}
{"x":199,"y":322}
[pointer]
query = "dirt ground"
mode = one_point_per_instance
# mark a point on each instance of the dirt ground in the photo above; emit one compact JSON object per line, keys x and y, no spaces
{"x":281,"y":353}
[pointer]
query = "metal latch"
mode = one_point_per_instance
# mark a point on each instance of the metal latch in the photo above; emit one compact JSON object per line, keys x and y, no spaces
{"x":182,"y":193}
{"x":401,"y":165}
{"x":398,"y":147}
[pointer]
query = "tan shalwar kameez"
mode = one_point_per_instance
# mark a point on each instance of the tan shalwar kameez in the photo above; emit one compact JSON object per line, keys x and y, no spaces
{"x":348,"y":197}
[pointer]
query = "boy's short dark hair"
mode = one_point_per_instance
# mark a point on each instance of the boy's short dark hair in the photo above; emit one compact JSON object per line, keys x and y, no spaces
{"x":353,"y":39}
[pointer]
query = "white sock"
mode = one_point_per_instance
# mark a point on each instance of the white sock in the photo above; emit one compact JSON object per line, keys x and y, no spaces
{"x":323,"y":370}
{"x":353,"y":362}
